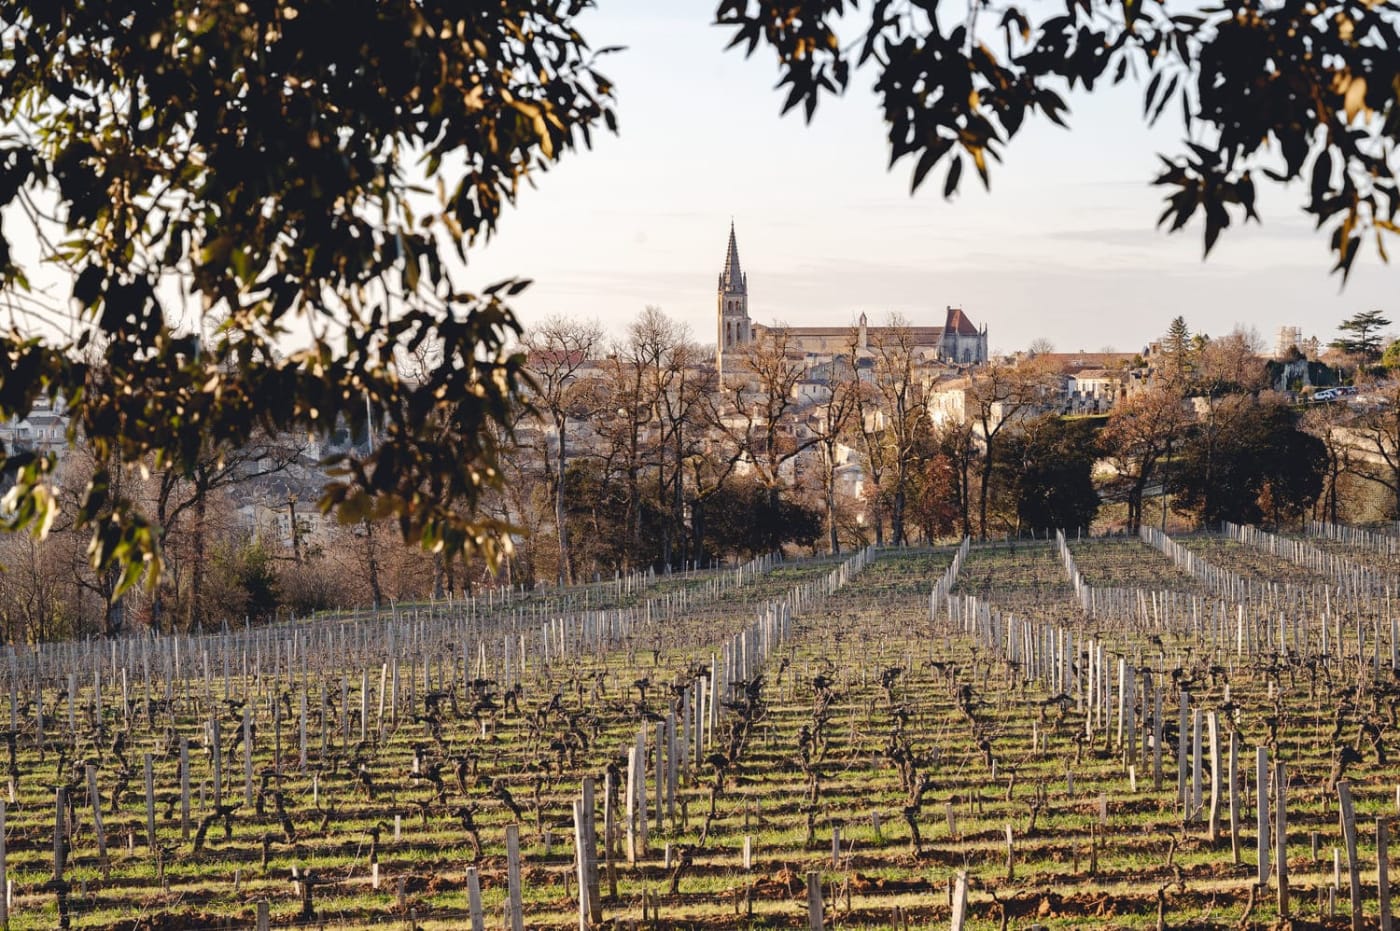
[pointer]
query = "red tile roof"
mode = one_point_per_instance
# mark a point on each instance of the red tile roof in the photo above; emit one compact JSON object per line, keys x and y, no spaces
{"x":958,"y":323}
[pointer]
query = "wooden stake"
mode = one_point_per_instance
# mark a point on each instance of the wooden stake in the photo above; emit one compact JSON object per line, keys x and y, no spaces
{"x":474,"y":900}
{"x":1234,"y":792}
{"x":1213,"y":821}
{"x":1261,"y":804}
{"x":150,"y":804}
{"x":1383,"y":872}
{"x":184,"y":788}
{"x":960,"y":901}
{"x":815,"y":917}
{"x":1281,"y":836}
{"x":515,"y":913}
{"x":581,"y":865}
{"x":1348,"y":817}
{"x":4,"y":875}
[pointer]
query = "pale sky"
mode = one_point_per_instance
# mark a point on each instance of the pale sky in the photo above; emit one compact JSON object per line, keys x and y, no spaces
{"x":1063,"y":247}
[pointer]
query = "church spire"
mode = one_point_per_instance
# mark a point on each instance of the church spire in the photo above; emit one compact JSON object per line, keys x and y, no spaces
{"x":731,"y":280}
{"x":735,"y":329}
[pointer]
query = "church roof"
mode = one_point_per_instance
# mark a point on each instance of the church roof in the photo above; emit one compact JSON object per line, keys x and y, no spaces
{"x":1078,"y":361}
{"x":919,"y":335}
{"x":958,"y":323}
{"x":732,"y":280}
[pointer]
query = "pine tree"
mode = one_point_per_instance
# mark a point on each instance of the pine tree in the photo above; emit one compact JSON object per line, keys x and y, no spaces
{"x":1362,"y":334}
{"x":1177,"y":350}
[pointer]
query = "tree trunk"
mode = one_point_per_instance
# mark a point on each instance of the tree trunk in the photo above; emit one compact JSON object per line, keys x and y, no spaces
{"x":634,"y":516}
{"x":1135,"y":493}
{"x":982,"y":492}
{"x":114,"y":612}
{"x":372,"y":559}
{"x":834,"y":542}
{"x":879,"y":510}
{"x":439,"y":571}
{"x":774,"y":539}
{"x":296,"y":531}
{"x":901,"y":481}
{"x":965,"y":494}
{"x":677,"y":501}
{"x":158,"y":595}
{"x":697,"y":530}
{"x":197,"y":573}
{"x":561,"y":522}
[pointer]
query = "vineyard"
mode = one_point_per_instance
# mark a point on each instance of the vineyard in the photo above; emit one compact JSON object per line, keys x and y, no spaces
{"x":1113,"y":732}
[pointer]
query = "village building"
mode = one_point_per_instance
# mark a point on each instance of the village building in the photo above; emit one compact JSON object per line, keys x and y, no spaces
{"x":958,"y":341}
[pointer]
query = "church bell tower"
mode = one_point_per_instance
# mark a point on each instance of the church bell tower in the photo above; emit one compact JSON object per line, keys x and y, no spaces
{"x":735,"y":328}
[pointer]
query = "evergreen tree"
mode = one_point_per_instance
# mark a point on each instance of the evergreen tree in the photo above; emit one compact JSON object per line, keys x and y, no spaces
{"x":1362,"y":334}
{"x":1177,"y":348}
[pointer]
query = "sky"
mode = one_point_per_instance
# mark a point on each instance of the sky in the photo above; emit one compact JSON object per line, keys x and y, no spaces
{"x":1064,"y":247}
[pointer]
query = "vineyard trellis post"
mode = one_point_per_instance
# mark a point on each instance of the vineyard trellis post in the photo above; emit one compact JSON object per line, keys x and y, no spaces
{"x":4,"y":875}
{"x":1281,"y":835}
{"x":515,"y":915}
{"x":815,"y":908}
{"x":1383,"y":872}
{"x":146,"y":764}
{"x":1261,"y":804}
{"x":1347,"y":813}
{"x":590,"y":845}
{"x":959,"y":916}
{"x":474,"y":909}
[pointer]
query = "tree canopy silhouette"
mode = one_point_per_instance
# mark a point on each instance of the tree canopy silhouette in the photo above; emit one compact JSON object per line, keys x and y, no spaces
{"x":1297,"y":89}
{"x":265,"y":159}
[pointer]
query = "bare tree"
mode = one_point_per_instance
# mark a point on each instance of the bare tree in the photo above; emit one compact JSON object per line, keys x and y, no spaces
{"x":683,"y":407}
{"x":181,"y":507}
{"x":833,"y":425}
{"x":905,"y":408}
{"x":559,"y":350}
{"x":1376,"y":430}
{"x":868,"y":423}
{"x":38,"y":601}
{"x":1330,"y":423}
{"x":955,"y":438}
{"x":763,"y":406}
{"x":1000,"y":395}
{"x":634,"y":374}
{"x":1232,"y":363}
{"x":1139,"y":436}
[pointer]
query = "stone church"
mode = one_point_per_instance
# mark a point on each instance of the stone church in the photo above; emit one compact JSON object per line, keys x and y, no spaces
{"x":958,"y":341}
